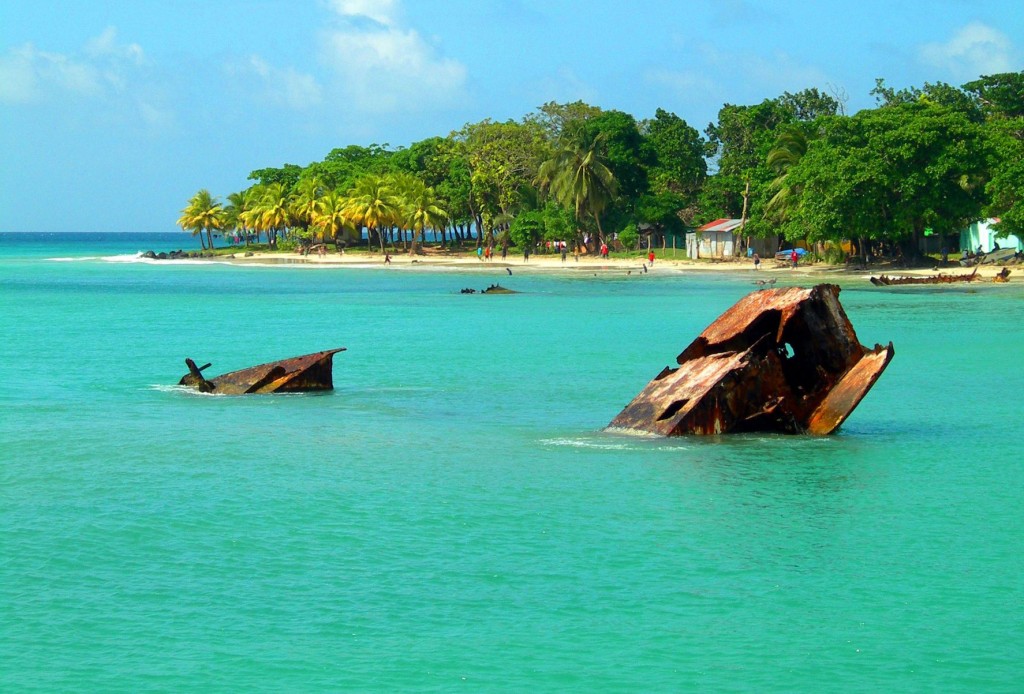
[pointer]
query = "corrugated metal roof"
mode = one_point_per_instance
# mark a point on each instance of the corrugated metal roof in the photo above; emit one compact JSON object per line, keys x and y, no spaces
{"x":721,"y":225}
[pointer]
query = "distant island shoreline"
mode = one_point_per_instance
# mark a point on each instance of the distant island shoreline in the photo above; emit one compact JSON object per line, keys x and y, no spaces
{"x":617,"y":265}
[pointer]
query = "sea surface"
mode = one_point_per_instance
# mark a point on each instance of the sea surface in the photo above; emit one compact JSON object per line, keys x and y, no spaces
{"x":452,"y":517}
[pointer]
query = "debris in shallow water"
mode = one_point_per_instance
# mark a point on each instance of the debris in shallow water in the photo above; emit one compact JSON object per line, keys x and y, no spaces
{"x":784,"y":360}
{"x":941,"y":278}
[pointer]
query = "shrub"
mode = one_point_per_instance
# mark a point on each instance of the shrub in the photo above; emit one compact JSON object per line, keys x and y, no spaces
{"x":629,"y":237}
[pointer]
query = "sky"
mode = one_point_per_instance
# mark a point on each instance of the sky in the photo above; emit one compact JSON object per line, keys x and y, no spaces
{"x":114,"y":113}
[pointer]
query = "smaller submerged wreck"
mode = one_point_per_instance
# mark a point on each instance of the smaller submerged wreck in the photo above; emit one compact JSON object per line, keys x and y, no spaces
{"x":783,"y":360}
{"x":308,"y":373}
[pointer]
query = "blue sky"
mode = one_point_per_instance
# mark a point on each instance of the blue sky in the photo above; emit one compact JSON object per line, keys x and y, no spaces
{"x":112,"y":114}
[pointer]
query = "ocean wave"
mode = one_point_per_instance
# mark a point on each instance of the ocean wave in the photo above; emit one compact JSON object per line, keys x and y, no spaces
{"x":186,"y":390}
{"x":72,"y":260}
{"x":125,"y":258}
{"x":587,"y":443}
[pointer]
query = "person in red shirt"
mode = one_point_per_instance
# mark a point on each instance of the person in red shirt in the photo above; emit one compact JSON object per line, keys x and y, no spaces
{"x":794,"y":257}
{"x":650,"y":257}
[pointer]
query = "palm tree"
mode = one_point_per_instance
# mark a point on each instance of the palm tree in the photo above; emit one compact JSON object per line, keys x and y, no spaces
{"x":305,"y":200}
{"x":423,"y":211}
{"x":236,"y":211}
{"x":330,"y":216}
{"x":790,"y":147}
{"x":274,"y":212}
{"x":203,"y":213}
{"x":578,"y":176}
{"x":187,"y":223}
{"x":373,"y":204}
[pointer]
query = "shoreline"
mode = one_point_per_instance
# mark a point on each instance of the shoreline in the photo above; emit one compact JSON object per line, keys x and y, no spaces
{"x":541,"y":263}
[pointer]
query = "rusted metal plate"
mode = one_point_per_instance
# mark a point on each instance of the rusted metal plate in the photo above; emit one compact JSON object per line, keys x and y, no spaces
{"x":850,"y":390}
{"x":769,"y":363}
{"x":307,"y":373}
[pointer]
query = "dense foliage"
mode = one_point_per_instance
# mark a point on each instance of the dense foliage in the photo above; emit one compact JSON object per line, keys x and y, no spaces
{"x":795,"y":167}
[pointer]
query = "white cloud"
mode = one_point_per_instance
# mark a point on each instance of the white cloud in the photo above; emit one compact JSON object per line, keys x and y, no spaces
{"x":564,"y":85}
{"x":282,"y":87}
{"x":976,"y":49}
{"x":777,"y":71}
{"x":680,"y":81}
{"x":106,"y":80}
{"x":384,"y":66}
{"x":28,"y":74}
{"x":383,"y":12}
{"x":106,"y":46}
{"x":732,"y":74}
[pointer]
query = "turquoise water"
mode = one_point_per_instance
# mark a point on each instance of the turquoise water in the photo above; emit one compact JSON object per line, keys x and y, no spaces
{"x":453,"y":517}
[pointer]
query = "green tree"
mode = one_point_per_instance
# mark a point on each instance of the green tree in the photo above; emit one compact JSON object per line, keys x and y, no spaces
{"x":304,"y":201}
{"x":676,"y":155}
{"x":203,"y":213}
{"x":331,"y":219}
{"x":630,"y":237}
{"x":423,"y":211}
{"x":554,"y":118}
{"x":1005,"y":190}
{"x":809,"y":104}
{"x":739,"y":144}
{"x":236,"y":211}
{"x":273,"y":211}
{"x":373,"y":204}
{"x":623,"y":152}
{"x":527,"y":229}
{"x":344,"y":166}
{"x":790,"y":147}
{"x":287,"y":175}
{"x":455,"y":190}
{"x":503,"y":159}
{"x":1000,"y":96}
{"x":889,"y":173}
{"x":578,"y":176}
{"x":1001,"y":99}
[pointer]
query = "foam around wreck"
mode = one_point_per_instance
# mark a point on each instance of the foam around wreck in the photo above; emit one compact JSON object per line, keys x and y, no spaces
{"x":784,"y":360}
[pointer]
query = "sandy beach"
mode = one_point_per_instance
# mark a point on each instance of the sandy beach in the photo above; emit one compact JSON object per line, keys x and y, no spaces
{"x":539,"y":263}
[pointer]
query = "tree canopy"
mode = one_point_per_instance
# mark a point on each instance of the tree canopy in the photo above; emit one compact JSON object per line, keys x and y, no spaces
{"x":935,"y":156}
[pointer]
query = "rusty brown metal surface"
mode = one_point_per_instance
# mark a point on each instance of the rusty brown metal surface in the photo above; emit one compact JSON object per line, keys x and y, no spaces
{"x":785,"y":360}
{"x":307,"y":373}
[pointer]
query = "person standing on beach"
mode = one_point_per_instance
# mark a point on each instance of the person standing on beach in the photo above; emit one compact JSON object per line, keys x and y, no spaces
{"x":794,"y":257}
{"x":387,"y":258}
{"x":504,"y":251}
{"x":650,"y":257}
{"x":604,"y":251}
{"x":526,"y":254}
{"x":563,"y":253}
{"x":757,"y":262}
{"x":480,"y":253}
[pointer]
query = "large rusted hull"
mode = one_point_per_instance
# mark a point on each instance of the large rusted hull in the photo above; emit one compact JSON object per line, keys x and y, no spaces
{"x":784,"y":360}
{"x":308,"y":373}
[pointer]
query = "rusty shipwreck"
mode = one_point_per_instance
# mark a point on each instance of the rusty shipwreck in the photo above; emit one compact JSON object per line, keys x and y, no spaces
{"x":783,"y":360}
{"x":308,"y":373}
